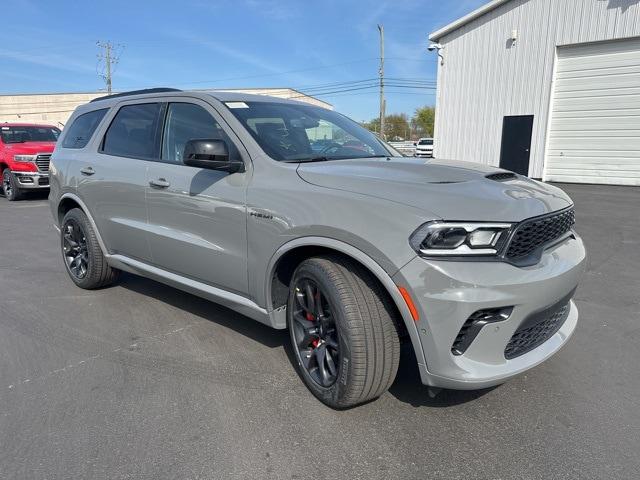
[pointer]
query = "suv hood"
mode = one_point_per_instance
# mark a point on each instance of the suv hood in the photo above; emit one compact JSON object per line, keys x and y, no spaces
{"x":446,"y":189}
{"x":29,"y":148}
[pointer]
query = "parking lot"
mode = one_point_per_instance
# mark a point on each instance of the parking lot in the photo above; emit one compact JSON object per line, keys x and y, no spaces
{"x":141,"y":380}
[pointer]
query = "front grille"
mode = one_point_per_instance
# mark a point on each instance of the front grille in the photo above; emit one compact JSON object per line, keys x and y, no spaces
{"x":42,"y":161}
{"x":535,"y":233}
{"x":529,"y":336}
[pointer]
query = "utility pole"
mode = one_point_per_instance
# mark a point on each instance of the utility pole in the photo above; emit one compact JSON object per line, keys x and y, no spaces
{"x":110,"y":59}
{"x":381,"y":71}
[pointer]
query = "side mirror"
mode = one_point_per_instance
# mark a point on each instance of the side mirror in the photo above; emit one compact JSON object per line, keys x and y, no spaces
{"x":211,"y":154}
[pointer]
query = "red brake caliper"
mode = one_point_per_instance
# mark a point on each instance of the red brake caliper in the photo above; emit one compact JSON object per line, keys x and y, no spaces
{"x":315,"y":341}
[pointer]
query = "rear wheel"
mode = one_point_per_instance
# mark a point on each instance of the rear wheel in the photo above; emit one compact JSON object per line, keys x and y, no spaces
{"x":10,"y":186}
{"x":343,"y":331}
{"x":83,"y":257}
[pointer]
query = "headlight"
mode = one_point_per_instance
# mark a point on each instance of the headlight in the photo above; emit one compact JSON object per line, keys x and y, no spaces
{"x":459,"y":238}
{"x":25,"y":158}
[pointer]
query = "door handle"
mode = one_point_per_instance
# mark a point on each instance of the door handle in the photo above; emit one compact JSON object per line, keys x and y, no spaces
{"x":159,"y":183}
{"x":87,"y":171}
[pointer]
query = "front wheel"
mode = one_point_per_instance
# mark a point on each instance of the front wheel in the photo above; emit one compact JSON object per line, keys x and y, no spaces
{"x":10,"y":186}
{"x":343,"y":331}
{"x":83,"y":257}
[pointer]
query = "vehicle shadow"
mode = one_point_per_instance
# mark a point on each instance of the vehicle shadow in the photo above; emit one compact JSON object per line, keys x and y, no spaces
{"x":408,"y":388}
{"x":205,"y":309}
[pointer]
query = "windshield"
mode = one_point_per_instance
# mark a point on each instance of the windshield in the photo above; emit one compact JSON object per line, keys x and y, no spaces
{"x":15,"y":134}
{"x":426,"y":141}
{"x":288,"y":132}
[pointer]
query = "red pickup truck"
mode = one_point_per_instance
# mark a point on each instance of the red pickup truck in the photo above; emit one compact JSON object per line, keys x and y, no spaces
{"x":25,"y":150}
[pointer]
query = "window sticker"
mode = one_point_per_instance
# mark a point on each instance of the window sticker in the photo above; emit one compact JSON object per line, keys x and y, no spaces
{"x":236,"y":105}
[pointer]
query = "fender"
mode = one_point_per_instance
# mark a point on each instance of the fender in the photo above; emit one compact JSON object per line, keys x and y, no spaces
{"x":278,"y":316}
{"x":86,"y":211}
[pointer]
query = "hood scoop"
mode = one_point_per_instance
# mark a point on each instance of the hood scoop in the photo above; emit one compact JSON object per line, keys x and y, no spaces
{"x":502,"y":176}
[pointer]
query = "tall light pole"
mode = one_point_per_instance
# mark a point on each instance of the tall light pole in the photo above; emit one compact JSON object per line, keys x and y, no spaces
{"x":381,"y":71}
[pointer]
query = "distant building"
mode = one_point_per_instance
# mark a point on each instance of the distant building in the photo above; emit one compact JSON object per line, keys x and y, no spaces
{"x":56,"y":108}
{"x":547,"y":88}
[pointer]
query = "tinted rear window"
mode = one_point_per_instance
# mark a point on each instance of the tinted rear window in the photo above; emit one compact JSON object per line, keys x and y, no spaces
{"x":134,"y":132}
{"x":81,"y":130}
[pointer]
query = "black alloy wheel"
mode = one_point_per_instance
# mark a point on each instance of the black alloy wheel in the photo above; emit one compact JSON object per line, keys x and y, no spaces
{"x":9,"y":187}
{"x":315,"y":335}
{"x":74,"y":246}
{"x":83,"y":257}
{"x":342,"y":325}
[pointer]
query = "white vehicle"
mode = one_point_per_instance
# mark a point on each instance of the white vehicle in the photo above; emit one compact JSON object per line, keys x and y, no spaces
{"x":424,"y":147}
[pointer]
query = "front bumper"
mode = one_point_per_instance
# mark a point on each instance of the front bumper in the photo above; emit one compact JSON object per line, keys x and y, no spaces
{"x":447,"y":293}
{"x":425,"y":154}
{"x":31,"y":180}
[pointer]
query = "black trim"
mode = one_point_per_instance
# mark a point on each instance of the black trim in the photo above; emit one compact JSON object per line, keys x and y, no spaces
{"x":474,"y":324}
{"x":136,"y":92}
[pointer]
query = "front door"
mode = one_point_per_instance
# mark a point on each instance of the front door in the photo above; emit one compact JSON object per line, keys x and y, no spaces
{"x":516,"y":143}
{"x":197,"y":216}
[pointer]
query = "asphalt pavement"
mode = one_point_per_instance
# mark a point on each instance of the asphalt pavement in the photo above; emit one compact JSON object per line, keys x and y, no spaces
{"x":144,"y":381}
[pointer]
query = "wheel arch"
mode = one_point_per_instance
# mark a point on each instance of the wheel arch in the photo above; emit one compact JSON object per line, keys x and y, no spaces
{"x":288,"y":257}
{"x":69,"y":201}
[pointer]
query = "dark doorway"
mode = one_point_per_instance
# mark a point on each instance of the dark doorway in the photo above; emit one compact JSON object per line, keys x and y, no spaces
{"x":516,"y":143}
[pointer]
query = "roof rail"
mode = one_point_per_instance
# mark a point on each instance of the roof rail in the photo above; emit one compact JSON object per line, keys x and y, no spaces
{"x":136,"y":92}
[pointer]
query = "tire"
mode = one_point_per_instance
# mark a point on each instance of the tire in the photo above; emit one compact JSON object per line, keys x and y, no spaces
{"x":78,"y":241}
{"x":364,"y":321}
{"x":10,"y":186}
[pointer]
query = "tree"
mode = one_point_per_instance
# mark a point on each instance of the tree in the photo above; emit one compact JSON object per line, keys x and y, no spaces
{"x":396,"y":126}
{"x":424,"y":119}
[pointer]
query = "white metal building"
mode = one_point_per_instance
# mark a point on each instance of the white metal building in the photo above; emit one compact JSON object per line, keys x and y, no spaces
{"x":548,"y":88}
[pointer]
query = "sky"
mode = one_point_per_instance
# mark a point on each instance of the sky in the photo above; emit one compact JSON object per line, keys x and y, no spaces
{"x":323,"y":47}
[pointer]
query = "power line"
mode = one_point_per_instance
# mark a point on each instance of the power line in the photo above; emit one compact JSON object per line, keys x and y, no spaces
{"x":275,"y":74}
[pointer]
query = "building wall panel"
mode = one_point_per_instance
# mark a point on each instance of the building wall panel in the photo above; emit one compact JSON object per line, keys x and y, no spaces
{"x":485,"y":77}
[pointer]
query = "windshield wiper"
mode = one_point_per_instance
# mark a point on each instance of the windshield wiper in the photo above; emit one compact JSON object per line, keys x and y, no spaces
{"x":309,"y":160}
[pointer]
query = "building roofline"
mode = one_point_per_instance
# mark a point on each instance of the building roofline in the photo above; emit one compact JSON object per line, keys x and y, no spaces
{"x":486,"y":8}
{"x":38,"y":94}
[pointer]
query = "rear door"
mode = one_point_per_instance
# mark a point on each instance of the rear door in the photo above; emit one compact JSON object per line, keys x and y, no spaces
{"x":112,"y":181}
{"x":197,"y":217}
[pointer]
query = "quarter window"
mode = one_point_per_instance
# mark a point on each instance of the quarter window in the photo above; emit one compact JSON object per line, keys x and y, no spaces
{"x":133,"y":131}
{"x":80,"y":131}
{"x":187,"y":121}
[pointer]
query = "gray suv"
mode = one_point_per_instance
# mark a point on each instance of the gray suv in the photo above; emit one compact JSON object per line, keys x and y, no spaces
{"x":297,"y":217}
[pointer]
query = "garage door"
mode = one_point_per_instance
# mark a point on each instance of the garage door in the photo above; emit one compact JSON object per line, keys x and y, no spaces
{"x":594,"y":135}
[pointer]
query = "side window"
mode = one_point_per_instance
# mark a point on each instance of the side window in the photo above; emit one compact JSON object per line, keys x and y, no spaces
{"x":187,"y":121}
{"x":80,"y":131}
{"x":133,"y":131}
